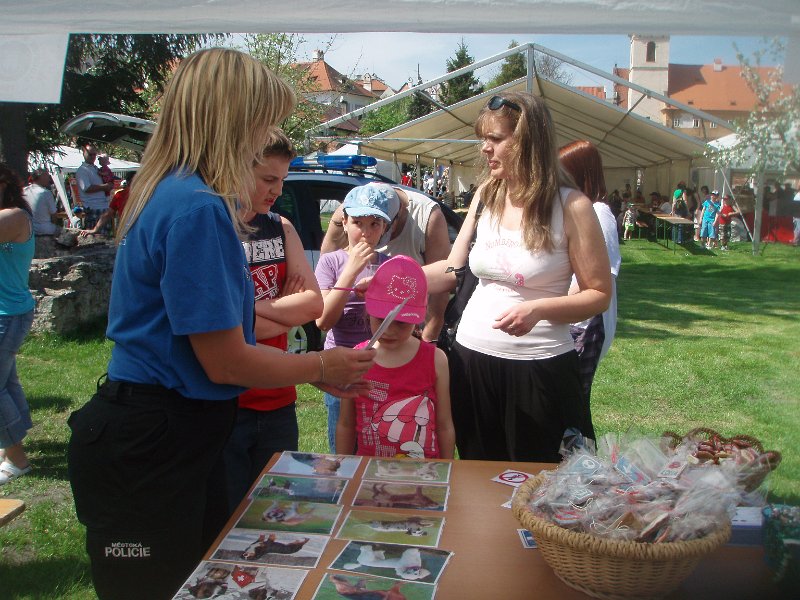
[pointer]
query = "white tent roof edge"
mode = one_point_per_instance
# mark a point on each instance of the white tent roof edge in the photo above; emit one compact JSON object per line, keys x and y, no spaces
{"x":33,"y":34}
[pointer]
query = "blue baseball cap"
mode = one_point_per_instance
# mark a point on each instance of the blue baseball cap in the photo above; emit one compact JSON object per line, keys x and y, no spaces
{"x":372,"y":200}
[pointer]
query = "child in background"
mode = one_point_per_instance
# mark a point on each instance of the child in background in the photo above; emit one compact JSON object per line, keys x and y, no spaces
{"x":368,"y":213}
{"x":629,"y":221}
{"x":406,"y":411}
{"x":106,"y":174}
{"x":725,"y":213}
{"x":708,"y":221}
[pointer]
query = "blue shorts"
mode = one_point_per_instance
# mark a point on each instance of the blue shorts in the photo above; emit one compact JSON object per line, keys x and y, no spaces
{"x":707,"y":230}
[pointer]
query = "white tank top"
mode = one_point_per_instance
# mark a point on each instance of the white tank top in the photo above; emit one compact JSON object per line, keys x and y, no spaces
{"x":509,"y":274}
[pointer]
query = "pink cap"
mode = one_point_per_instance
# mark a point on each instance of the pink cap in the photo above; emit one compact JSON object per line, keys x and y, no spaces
{"x":394,"y":281}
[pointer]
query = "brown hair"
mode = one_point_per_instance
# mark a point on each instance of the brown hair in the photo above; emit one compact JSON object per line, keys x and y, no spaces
{"x":582,"y":160}
{"x":12,"y":196}
{"x":535,"y":167}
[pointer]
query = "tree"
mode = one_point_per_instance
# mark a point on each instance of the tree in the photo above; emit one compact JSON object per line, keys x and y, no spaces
{"x":512,"y":68}
{"x":769,"y":137}
{"x":552,"y":68}
{"x":102,"y":72}
{"x":419,"y":105}
{"x":386,"y":117}
{"x":461,"y":87}
{"x":279,"y":52}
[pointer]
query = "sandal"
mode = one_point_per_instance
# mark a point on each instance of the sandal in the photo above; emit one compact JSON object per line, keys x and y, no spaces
{"x":10,"y":472}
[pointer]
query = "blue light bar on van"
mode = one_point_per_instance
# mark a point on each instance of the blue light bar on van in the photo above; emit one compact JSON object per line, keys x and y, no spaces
{"x":336,"y":161}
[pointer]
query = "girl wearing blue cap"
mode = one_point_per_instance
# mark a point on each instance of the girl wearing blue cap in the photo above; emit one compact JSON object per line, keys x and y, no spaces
{"x":368,"y":213}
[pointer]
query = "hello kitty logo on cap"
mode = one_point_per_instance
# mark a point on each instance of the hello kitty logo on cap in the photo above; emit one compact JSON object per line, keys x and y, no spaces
{"x":395,"y":280}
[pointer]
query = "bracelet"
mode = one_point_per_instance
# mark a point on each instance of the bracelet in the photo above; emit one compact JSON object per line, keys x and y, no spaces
{"x":321,"y":368}
{"x":337,"y":223}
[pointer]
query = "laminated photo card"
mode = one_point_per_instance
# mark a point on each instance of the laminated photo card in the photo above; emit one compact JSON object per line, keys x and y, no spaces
{"x":335,"y":586}
{"x":287,"y":515}
{"x":271,"y":548}
{"x":393,"y":528}
{"x":240,"y":582}
{"x":309,"y":489}
{"x":399,"y":469}
{"x":318,"y":465}
{"x":392,"y":494}
{"x":407,"y":563}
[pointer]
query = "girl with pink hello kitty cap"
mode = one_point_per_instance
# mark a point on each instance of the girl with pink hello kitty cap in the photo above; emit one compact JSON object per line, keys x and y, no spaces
{"x":406,"y":411}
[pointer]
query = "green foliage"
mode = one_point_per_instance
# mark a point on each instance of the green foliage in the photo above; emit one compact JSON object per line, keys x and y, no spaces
{"x":512,"y":68}
{"x":461,"y":87}
{"x":385,"y":117}
{"x":279,"y":52}
{"x":419,"y":106}
{"x":115,"y":73}
{"x":770,"y":135}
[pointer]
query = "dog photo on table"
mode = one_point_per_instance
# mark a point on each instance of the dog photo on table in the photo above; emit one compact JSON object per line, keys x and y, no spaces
{"x":271,"y":548}
{"x":392,"y":528}
{"x":310,"y":489}
{"x":287,"y":515}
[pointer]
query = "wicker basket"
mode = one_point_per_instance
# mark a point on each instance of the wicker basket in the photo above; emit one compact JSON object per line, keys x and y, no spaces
{"x":613,"y":569}
{"x":767,"y":462}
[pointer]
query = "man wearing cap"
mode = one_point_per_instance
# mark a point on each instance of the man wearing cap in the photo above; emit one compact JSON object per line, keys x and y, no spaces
{"x":418,"y":231}
{"x":708,"y":222}
{"x":91,"y":187}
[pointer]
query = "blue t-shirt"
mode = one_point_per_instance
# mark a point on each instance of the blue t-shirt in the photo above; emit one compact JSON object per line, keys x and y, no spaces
{"x":712,"y":208}
{"x":15,"y":264}
{"x":180,"y":270}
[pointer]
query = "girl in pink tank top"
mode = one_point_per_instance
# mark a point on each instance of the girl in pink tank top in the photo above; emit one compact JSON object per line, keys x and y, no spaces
{"x":407,"y":409}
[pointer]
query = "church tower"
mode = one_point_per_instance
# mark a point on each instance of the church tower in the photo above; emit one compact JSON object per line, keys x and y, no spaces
{"x":649,"y":67}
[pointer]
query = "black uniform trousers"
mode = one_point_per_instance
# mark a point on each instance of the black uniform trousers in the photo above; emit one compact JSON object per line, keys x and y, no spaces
{"x":146,"y":473}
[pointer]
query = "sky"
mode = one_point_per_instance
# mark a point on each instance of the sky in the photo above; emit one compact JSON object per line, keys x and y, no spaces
{"x":395,"y":57}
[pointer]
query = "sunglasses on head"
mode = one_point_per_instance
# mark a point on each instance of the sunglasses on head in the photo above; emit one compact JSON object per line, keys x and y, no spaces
{"x":495,"y":102}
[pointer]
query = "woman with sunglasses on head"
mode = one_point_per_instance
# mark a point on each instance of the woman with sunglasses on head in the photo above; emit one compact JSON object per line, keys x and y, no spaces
{"x":145,"y":453}
{"x":515,"y":385}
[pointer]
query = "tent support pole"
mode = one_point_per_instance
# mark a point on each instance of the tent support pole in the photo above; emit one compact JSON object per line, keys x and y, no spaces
{"x":735,"y":202}
{"x":759,"y":211}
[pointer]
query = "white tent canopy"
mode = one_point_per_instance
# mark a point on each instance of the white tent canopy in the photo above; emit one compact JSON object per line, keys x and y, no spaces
{"x":625,"y":140}
{"x":68,"y":159}
{"x":33,"y":34}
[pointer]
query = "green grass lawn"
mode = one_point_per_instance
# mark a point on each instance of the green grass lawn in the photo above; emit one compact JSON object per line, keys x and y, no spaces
{"x":704,"y":339}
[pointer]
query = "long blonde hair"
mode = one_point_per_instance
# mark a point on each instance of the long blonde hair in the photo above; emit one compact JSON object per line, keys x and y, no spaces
{"x":535,"y":167}
{"x":215,"y":120}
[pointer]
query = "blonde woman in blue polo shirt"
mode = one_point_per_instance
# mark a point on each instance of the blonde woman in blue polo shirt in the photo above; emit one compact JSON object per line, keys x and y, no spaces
{"x":144,"y":456}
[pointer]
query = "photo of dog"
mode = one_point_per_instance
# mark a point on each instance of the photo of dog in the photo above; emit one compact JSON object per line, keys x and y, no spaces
{"x":338,"y":586}
{"x":423,"y":471}
{"x":288,"y":515}
{"x":383,"y":494}
{"x":393,"y":528}
{"x":318,"y":465}
{"x":241,"y":582}
{"x":271,"y":548}
{"x":309,"y":489}
{"x":407,"y":563}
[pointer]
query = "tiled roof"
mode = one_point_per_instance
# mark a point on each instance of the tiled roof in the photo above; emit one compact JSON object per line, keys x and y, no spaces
{"x":327,"y":79}
{"x":702,"y":87}
{"x":598,"y":91}
{"x":376,"y":85}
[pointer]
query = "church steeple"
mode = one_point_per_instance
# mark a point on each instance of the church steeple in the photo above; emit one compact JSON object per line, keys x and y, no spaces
{"x":649,"y":67}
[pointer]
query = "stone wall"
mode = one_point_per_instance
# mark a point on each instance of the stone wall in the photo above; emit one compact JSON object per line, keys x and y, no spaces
{"x":73,"y":288}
